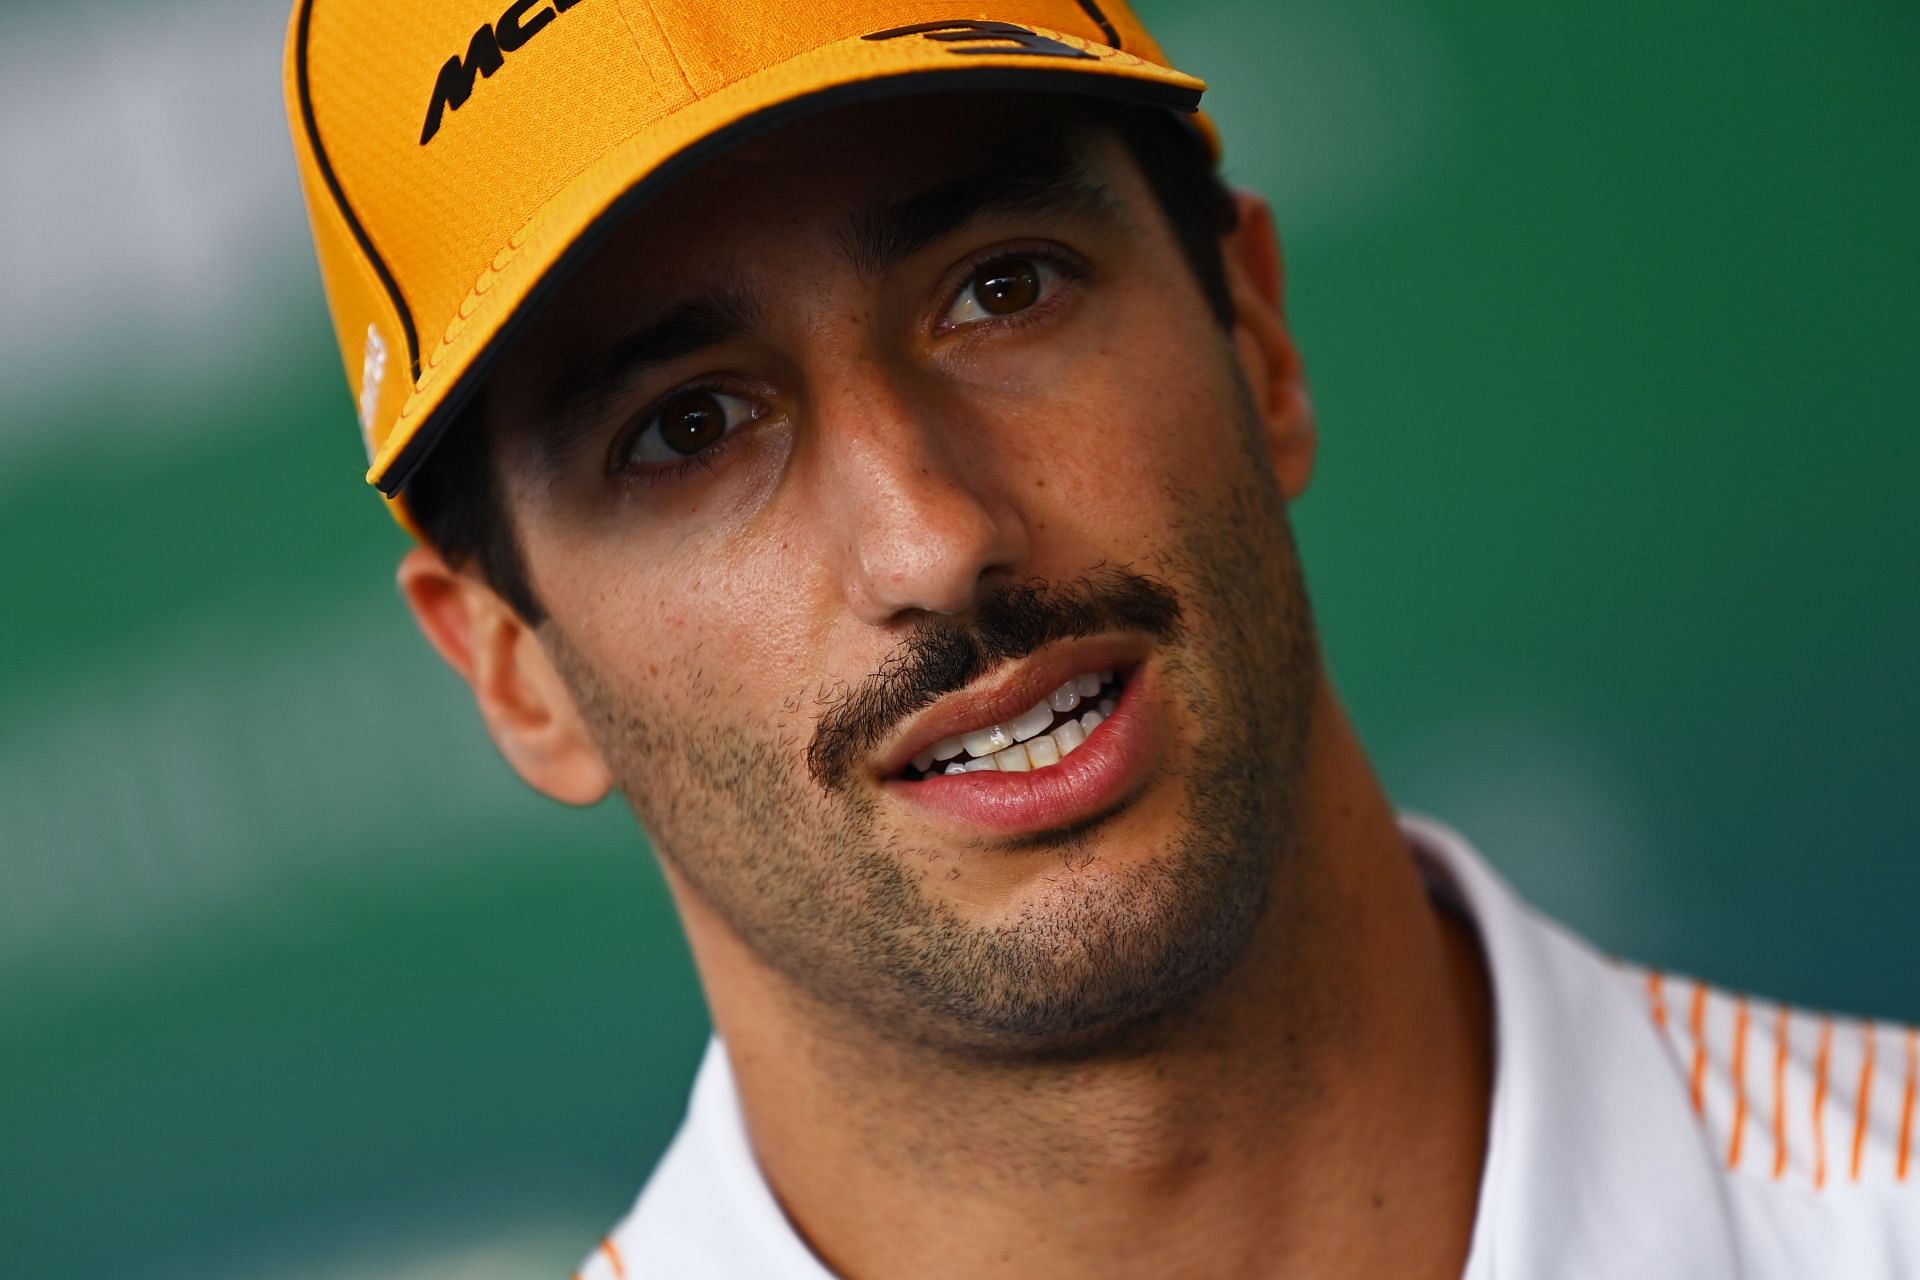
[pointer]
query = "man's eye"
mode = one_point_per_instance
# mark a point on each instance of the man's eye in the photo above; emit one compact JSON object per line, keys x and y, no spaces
{"x":1001,"y":288}
{"x":689,"y":423}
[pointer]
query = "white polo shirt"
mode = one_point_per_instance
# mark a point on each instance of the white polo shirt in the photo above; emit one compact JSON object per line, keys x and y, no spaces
{"x":1643,"y":1127}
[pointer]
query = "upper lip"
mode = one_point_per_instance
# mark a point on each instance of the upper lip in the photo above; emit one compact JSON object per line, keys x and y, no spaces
{"x":999,"y":697}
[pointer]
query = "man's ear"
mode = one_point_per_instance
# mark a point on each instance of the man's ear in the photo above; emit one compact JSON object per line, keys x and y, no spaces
{"x":526,"y":706}
{"x":1256,"y":281}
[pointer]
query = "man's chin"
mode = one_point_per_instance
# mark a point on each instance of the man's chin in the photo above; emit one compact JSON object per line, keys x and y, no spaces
{"x":1131,"y":1032}
{"x":1024,"y":881}
{"x":1093,"y":952}
{"x":1103,"y":1020}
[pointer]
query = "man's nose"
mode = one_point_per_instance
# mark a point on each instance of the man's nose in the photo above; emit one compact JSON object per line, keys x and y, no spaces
{"x":913,"y":497}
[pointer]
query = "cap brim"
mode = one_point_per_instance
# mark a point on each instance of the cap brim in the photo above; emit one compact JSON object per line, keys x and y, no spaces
{"x":575,"y":220}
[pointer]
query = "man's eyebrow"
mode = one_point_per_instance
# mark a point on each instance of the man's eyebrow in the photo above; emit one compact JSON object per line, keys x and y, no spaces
{"x":1039,"y":180}
{"x":884,"y":234}
{"x":587,"y":384}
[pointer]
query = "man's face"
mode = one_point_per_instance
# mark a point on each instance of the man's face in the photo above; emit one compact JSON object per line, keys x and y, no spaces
{"x":869,"y":437}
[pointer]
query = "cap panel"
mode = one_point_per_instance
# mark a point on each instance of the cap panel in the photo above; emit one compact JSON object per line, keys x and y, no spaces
{"x":510,"y":105}
{"x":373,"y":343}
{"x":375,"y":338}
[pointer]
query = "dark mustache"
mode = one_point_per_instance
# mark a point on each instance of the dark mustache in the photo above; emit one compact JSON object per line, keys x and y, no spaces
{"x":1009,"y":622}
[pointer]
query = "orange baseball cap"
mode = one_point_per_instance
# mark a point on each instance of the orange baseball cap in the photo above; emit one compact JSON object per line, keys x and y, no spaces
{"x":458,"y":157}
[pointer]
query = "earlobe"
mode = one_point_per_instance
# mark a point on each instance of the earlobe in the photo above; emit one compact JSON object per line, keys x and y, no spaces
{"x":1256,"y":277}
{"x":528,"y":709}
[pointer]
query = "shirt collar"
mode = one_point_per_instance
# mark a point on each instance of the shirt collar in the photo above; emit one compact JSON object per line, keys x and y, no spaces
{"x":1596,"y":1164}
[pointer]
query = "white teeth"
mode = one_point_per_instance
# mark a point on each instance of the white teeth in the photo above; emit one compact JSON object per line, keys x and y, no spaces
{"x":1043,"y":751}
{"x":984,"y":742}
{"x":1034,"y":720}
{"x":1023,"y":743}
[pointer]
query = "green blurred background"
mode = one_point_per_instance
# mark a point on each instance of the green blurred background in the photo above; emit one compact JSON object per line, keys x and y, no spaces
{"x":1613,"y":322}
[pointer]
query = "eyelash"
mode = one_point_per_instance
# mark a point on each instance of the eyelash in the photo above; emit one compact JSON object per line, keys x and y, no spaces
{"x":666,"y":473}
{"x":674,"y":472}
{"x":1071,"y":267}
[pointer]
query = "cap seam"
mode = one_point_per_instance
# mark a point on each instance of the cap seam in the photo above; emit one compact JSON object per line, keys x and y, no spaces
{"x":679,"y":69}
{"x":672,"y":52}
{"x":639,"y":49}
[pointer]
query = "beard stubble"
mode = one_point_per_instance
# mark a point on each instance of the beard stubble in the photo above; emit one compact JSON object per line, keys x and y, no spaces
{"x":796,"y":862}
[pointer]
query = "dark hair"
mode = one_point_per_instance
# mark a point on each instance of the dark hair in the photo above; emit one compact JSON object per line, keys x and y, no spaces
{"x":456,"y":500}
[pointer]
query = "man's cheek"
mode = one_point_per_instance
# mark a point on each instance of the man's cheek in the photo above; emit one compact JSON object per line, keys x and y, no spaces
{"x":703,"y":787}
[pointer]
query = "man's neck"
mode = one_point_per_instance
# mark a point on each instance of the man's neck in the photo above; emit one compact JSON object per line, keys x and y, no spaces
{"x":1322,"y":1112}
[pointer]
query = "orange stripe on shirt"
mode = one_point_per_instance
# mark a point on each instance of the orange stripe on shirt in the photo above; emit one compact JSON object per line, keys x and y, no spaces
{"x":1861,"y":1104}
{"x":1819,"y":1102}
{"x":1739,"y":1083}
{"x":613,"y":1257}
{"x":1658,"y":997}
{"x":1697,"y":1022}
{"x":1780,"y":1093}
{"x":1906,"y":1108}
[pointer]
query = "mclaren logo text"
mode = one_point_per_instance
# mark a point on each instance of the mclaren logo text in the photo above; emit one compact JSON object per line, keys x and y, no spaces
{"x":487,"y":53}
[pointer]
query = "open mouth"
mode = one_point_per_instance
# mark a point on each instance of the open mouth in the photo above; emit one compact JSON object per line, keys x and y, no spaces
{"x":1038,"y":738}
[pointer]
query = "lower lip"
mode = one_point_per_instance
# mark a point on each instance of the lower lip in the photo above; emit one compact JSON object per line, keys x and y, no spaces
{"x":1101,"y":773}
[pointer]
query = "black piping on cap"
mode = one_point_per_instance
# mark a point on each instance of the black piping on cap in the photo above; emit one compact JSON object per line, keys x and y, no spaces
{"x":340,"y":202}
